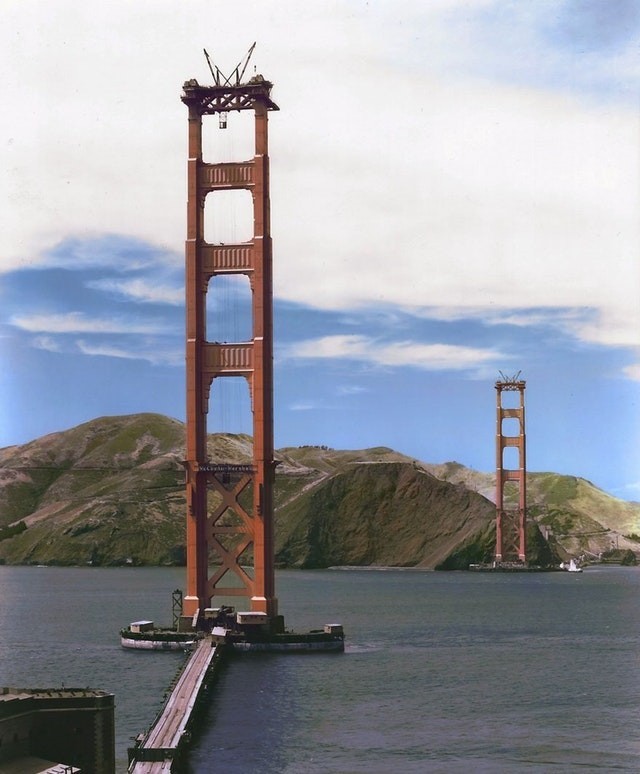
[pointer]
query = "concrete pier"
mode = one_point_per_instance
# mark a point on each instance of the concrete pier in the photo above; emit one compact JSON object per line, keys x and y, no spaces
{"x":163,"y":747}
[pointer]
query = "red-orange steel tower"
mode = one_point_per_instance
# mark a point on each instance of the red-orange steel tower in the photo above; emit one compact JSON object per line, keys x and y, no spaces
{"x":511,"y":523}
{"x":250,"y":495}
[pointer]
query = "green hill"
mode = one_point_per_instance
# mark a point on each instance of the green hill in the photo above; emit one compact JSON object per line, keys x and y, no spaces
{"x":111,"y":492}
{"x":581,"y":517}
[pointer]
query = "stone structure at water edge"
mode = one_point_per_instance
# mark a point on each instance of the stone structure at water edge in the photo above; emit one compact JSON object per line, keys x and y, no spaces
{"x":57,"y":729}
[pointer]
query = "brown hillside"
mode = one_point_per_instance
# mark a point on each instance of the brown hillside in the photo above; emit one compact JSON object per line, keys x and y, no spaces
{"x":380,"y":514}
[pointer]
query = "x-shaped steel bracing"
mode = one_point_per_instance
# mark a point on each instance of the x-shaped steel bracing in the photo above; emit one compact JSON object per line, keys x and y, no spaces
{"x":229,"y":556}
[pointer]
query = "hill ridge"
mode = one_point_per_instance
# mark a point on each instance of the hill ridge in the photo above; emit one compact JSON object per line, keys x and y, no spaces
{"x":111,"y":491}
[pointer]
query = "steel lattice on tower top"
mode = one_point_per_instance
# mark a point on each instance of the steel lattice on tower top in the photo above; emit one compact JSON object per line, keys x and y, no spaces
{"x":244,"y":490}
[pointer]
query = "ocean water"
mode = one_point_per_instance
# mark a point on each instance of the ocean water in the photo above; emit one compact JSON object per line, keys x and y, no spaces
{"x":443,"y":672}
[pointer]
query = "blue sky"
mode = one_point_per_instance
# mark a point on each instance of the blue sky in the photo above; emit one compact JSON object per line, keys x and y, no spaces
{"x":454,"y":193}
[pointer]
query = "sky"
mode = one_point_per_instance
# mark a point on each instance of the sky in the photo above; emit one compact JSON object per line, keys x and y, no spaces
{"x":455,"y":194}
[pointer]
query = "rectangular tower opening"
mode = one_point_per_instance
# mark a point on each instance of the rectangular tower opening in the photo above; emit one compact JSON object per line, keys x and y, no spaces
{"x":228,"y":137}
{"x":228,"y":217}
{"x":229,"y":312}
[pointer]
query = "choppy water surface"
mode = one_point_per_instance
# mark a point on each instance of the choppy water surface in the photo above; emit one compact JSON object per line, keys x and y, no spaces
{"x":443,"y":672}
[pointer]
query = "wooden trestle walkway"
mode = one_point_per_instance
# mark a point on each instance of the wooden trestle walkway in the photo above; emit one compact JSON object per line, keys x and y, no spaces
{"x":163,"y":747}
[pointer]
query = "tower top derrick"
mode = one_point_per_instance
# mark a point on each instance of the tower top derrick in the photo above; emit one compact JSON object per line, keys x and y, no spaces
{"x":228,"y":92}
{"x":208,"y":100}
{"x":510,"y":382}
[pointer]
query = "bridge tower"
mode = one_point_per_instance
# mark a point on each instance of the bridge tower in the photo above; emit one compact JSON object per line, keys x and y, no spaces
{"x":511,"y":523}
{"x":229,"y":507}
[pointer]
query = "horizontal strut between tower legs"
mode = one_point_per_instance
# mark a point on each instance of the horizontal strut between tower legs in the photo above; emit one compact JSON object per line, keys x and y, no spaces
{"x":227,"y":258}
{"x":511,"y":413}
{"x":207,"y":100}
{"x":225,"y":176}
{"x":234,"y":358}
{"x":512,"y":475}
{"x":521,"y":385}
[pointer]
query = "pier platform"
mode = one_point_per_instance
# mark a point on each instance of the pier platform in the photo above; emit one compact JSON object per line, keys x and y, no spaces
{"x":164,"y":745}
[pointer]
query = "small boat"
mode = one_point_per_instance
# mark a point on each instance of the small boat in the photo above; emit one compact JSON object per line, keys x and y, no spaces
{"x":571,"y":567}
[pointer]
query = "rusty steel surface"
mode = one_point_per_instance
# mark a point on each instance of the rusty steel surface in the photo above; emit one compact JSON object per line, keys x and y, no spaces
{"x":209,"y":537}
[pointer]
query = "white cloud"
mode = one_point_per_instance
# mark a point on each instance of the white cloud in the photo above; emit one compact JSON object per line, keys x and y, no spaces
{"x":141,"y":290}
{"x":392,"y":182}
{"x":77,"y":322}
{"x":430,"y":357}
{"x":561,"y":319}
{"x":628,"y":491}
{"x":156,"y":356}
{"x":47,"y":343}
{"x":632,"y":372}
{"x":305,"y":406}
{"x":525,"y":318}
{"x":513,"y":206}
{"x":118,"y":253}
{"x":351,"y":389}
{"x":610,"y":327}
{"x":338,"y":346}
{"x":603,"y":327}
